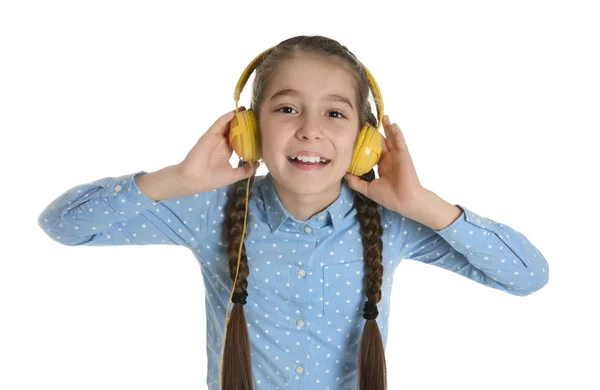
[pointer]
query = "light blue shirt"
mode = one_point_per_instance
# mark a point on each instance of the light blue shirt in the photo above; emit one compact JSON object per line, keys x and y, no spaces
{"x":305,"y":287}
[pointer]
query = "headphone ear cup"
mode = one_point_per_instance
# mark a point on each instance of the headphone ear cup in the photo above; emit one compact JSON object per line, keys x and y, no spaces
{"x":367,"y":151}
{"x":243,"y":136}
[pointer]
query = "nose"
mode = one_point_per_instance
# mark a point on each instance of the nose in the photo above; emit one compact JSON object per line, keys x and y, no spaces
{"x":310,"y":129}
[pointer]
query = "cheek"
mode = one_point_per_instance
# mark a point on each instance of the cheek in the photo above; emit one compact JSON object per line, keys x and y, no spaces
{"x":351,"y":144}
{"x":270,"y":144}
{"x":348,"y":149}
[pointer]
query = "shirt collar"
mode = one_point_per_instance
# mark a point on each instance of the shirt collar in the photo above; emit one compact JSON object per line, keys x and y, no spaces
{"x":277,"y":215}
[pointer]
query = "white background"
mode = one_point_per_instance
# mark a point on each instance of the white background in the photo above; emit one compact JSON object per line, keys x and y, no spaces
{"x":498,"y":103}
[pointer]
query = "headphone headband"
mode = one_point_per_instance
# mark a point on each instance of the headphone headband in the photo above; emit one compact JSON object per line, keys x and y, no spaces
{"x":252,"y":65}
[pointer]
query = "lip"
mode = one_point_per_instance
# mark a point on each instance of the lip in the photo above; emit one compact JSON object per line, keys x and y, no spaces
{"x":308,"y":167}
{"x":309,"y":153}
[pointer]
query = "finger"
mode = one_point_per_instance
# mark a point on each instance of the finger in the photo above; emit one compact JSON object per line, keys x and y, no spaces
{"x":384,"y":144}
{"x":386,"y":120}
{"x":357,"y":184}
{"x":245,"y":171}
{"x":389,"y":135}
{"x":394,"y":135}
{"x":221,"y":125}
{"x":398,"y":137}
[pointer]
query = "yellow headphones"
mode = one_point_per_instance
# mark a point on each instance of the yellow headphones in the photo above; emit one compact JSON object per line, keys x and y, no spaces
{"x":245,"y":141}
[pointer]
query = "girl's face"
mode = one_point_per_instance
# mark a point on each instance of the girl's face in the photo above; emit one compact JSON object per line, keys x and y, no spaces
{"x":318,"y":113}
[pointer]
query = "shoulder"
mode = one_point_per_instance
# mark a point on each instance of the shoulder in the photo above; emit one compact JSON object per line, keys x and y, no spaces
{"x":258,"y":180}
{"x":217,"y":199}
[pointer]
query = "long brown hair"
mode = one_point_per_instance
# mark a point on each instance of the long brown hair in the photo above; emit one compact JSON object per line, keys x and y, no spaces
{"x":236,"y":367}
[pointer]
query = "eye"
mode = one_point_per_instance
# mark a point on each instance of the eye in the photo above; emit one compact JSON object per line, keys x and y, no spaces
{"x":280,"y":108}
{"x":337,"y":112}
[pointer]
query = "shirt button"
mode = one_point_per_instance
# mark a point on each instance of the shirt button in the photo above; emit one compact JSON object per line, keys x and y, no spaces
{"x":478,"y":220}
{"x":299,"y":369}
{"x":118,"y":188}
{"x":308,"y":229}
{"x":300,"y":323}
{"x":301,"y":273}
{"x":321,"y":218}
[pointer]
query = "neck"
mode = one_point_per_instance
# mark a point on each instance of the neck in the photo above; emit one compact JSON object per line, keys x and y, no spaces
{"x":304,"y":206}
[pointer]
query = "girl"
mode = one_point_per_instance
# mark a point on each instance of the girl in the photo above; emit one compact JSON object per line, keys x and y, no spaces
{"x":321,"y":244}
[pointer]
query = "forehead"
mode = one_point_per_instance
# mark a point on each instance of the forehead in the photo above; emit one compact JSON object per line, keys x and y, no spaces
{"x":313,"y":77}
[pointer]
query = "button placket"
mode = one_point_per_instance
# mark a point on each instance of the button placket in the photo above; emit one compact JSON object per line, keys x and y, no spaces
{"x":300,"y":291}
{"x":300,"y":322}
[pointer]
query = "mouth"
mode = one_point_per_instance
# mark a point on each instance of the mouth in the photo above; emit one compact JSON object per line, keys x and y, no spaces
{"x":308,"y":162}
{"x":312,"y":165}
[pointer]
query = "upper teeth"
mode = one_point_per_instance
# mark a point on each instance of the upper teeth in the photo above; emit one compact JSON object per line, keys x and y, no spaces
{"x":311,"y":159}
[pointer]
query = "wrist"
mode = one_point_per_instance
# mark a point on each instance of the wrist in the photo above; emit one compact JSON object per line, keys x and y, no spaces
{"x":432,"y":211}
{"x":163,"y":184}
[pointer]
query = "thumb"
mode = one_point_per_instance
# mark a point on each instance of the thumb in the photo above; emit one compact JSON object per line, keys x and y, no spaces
{"x":245,"y":171}
{"x":356,"y":183}
{"x":221,"y":125}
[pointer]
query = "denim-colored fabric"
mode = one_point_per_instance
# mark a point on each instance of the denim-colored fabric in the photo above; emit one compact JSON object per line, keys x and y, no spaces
{"x":305,"y":287}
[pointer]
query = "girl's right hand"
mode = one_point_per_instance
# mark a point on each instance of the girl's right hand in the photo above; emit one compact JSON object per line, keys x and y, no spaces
{"x":207,"y":167}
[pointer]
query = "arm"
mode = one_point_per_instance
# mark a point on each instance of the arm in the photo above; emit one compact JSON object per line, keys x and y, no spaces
{"x":478,"y":248}
{"x":113,"y":211}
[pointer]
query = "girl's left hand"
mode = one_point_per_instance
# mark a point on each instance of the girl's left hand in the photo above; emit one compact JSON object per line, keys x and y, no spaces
{"x":398,"y":187}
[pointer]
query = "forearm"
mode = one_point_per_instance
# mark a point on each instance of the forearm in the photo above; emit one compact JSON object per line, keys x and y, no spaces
{"x":162,"y":184}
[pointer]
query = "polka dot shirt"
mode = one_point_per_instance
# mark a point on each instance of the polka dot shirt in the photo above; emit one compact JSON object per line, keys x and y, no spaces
{"x":305,"y":287}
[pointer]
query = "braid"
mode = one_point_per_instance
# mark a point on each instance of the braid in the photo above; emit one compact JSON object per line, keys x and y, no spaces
{"x":235,"y":224}
{"x":372,"y":367}
{"x":236,"y":368}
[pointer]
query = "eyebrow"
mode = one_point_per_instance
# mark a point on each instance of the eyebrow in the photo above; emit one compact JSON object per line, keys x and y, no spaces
{"x":331,"y":97}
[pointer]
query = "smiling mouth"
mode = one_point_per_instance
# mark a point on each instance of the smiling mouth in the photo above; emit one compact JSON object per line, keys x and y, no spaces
{"x":295,"y":160}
